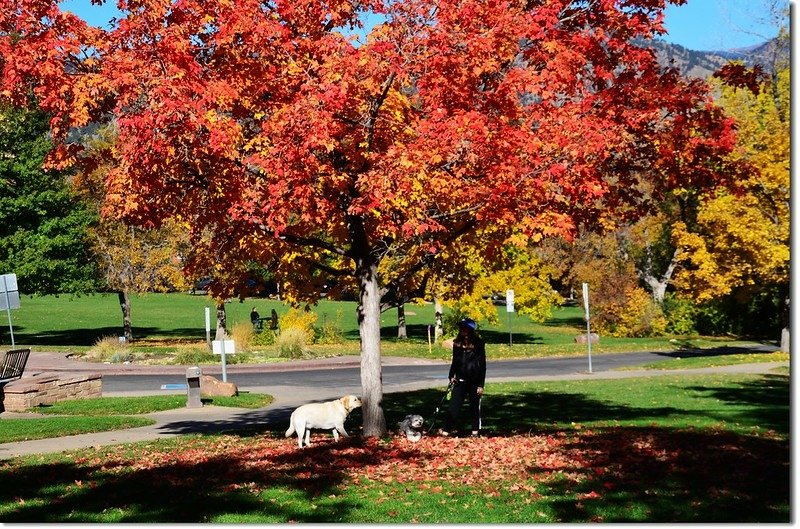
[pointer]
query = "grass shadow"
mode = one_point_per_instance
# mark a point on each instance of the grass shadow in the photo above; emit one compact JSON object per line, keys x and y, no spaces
{"x":686,"y":350}
{"x":88,"y":337}
{"x":184,"y":489}
{"x":617,"y":474}
{"x":662,"y":475}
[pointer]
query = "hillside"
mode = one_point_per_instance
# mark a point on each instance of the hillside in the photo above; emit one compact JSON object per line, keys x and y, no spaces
{"x":702,"y":64}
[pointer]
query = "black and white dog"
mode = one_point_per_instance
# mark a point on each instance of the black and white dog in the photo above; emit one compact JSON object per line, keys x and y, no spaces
{"x":411,"y":427}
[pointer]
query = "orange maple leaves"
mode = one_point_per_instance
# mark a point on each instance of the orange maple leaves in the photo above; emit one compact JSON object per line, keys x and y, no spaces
{"x":266,"y":124}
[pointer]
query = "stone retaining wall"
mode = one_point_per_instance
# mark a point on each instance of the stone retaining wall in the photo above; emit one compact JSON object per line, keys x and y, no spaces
{"x":29,"y":392}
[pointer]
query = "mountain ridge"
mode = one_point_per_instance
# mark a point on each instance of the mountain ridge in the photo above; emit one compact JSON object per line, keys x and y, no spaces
{"x":702,"y":64}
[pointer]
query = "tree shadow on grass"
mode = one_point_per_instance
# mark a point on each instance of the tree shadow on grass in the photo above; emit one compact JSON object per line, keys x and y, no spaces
{"x":619,"y":473}
{"x":657,"y":475}
{"x":88,"y":337}
{"x":688,"y":351}
{"x":764,"y":401}
{"x":577,"y":322}
{"x":188,"y":487}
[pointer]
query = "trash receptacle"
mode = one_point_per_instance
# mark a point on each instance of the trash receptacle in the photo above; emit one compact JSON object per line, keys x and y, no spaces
{"x":193,"y":387}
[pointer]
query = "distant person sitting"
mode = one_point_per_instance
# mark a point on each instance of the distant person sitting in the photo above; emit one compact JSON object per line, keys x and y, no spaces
{"x":255,"y":319}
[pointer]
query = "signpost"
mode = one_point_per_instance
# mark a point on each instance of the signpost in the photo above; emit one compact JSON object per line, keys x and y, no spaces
{"x":9,"y":299}
{"x":510,"y":311}
{"x":208,"y":326}
{"x":224,"y":347}
{"x":588,"y":323}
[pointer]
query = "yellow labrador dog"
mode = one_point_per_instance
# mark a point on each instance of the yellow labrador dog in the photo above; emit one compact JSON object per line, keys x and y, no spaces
{"x":321,"y":415}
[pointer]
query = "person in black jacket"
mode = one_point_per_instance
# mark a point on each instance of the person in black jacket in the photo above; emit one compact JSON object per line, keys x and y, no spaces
{"x":467,"y":374}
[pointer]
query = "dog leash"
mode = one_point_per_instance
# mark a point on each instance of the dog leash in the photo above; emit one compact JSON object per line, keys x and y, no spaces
{"x":445,"y":397}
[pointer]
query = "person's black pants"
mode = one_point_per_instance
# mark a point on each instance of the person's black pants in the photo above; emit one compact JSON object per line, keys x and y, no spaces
{"x":464,"y":390}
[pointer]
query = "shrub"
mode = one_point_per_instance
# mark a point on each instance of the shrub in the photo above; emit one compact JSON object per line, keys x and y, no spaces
{"x":451,"y":319}
{"x":292,"y":342}
{"x":301,"y":320}
{"x":262,"y":338}
{"x":194,"y":354}
{"x":680,"y":314}
{"x":241,"y":357}
{"x":756,"y":315}
{"x":242,"y":334}
{"x":120,"y":357}
{"x":629,"y":313}
{"x":330,"y":333}
{"x":108,"y":347}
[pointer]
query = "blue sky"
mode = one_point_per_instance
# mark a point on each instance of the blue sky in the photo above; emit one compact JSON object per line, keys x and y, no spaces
{"x":697,"y":25}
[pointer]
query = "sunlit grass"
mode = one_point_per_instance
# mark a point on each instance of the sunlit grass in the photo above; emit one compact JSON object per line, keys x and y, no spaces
{"x":73,"y":417}
{"x":162,"y":322}
{"x":667,"y":449}
{"x":147,"y":404}
{"x":14,"y":430}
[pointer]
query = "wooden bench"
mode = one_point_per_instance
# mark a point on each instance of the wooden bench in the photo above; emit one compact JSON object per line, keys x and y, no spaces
{"x":13,"y":365}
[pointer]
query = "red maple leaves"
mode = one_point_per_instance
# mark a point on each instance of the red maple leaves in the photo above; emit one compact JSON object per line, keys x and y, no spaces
{"x":279,"y":140}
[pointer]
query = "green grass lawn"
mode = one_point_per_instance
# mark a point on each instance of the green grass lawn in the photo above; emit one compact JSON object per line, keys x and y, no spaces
{"x":107,"y":413}
{"x":74,"y":324}
{"x":29,"y":429}
{"x":697,"y":449}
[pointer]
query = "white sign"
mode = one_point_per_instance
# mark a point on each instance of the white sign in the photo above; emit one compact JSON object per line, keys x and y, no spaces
{"x":223,"y":347}
{"x":9,"y":300}
{"x":509,"y":300}
{"x":9,"y":297}
{"x":8,"y":282}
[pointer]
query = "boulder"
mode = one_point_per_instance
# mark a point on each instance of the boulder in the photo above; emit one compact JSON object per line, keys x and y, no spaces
{"x":448,"y":344}
{"x":581,"y":338}
{"x":211,"y":387}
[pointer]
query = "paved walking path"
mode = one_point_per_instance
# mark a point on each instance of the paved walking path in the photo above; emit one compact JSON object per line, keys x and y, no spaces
{"x":210,"y":419}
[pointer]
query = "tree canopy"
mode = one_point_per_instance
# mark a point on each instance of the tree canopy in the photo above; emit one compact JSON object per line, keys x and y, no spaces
{"x":267,"y":128}
{"x":42,"y":222}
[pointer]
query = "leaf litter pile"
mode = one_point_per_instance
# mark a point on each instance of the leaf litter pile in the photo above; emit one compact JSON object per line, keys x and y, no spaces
{"x":635,"y":474}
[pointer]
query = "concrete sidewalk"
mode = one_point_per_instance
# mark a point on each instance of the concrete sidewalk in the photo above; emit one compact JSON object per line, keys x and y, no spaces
{"x":210,"y":419}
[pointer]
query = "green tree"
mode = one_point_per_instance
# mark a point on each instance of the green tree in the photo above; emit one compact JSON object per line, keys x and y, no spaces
{"x":43,"y":224}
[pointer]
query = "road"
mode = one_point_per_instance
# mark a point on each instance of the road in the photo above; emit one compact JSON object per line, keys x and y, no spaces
{"x":395,"y":377}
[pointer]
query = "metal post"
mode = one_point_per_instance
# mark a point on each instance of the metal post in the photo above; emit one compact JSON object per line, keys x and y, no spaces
{"x":224,"y":366}
{"x":588,"y":323}
{"x":510,"y":310}
{"x":222,"y":347}
{"x":8,"y":310}
{"x":589,"y":342}
{"x":208,"y":326}
{"x":510,"y":339}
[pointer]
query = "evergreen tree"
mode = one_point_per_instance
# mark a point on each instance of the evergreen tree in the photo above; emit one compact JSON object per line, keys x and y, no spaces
{"x":42,"y":222}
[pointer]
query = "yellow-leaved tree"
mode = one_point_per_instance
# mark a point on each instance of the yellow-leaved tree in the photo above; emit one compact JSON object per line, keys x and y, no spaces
{"x":131,"y":259}
{"x":739,"y":244}
{"x":520,"y":270}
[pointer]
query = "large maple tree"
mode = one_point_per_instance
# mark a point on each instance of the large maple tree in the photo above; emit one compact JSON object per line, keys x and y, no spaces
{"x":269,"y":127}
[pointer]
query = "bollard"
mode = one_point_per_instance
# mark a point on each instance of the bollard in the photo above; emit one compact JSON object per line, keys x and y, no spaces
{"x":193,"y":387}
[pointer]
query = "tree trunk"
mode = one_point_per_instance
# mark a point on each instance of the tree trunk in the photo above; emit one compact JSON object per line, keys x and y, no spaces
{"x":658,"y":283}
{"x":438,"y":327}
{"x":125,"y":306}
{"x":221,"y":321}
{"x":369,"y":329}
{"x":402,"y":332}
